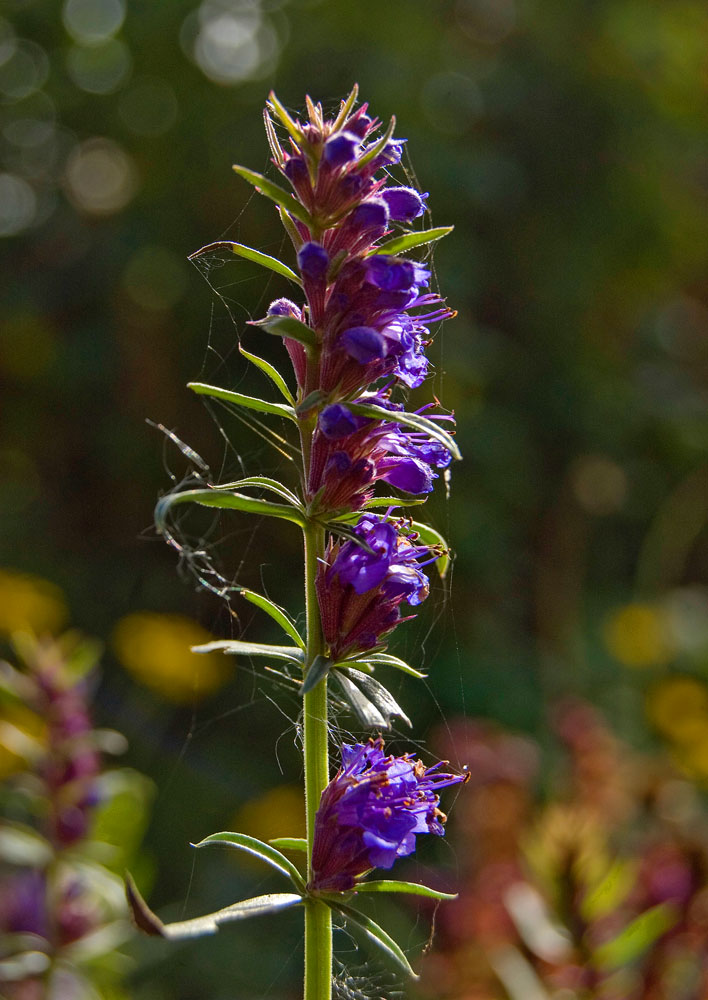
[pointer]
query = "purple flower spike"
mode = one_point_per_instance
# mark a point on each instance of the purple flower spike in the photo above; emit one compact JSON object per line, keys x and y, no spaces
{"x":372,"y":811}
{"x":404,"y":203}
{"x":340,"y":149}
{"x":313,"y":261}
{"x":363,"y":582}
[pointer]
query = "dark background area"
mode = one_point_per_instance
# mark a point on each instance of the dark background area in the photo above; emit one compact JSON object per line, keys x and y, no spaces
{"x":567,"y":144}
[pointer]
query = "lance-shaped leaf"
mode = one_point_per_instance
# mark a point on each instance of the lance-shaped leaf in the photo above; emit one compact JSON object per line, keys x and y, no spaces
{"x":238,"y":399}
{"x":258,"y":849}
{"x":292,"y":654}
{"x":412,"y":888}
{"x":276,"y":193}
{"x":368,"y":714}
{"x":150,"y":923}
{"x":392,"y":502}
{"x":264,"y":481}
{"x":414,"y":420}
{"x":318,"y":670}
{"x":248,"y":253}
{"x":370,"y":700}
{"x":346,"y":108}
{"x":376,"y":934}
{"x":271,"y":371}
{"x":288,"y":326}
{"x":387,"y":660}
{"x":430,"y":536}
{"x":311,"y":400}
{"x":227,"y":501}
{"x":378,"y":695}
{"x":637,"y":937}
{"x":379,"y":146}
{"x":289,"y":843}
{"x":277,"y":613}
{"x":407,"y":241}
{"x":284,"y":117}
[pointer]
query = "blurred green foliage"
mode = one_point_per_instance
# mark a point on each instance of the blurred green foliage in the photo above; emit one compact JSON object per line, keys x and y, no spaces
{"x":567,"y":144}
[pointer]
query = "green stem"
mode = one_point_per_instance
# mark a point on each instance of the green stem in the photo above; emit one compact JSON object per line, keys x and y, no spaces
{"x":318,"y":916}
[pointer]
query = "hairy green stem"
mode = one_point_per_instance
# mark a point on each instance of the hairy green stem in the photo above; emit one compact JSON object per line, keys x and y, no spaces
{"x":318,"y":916}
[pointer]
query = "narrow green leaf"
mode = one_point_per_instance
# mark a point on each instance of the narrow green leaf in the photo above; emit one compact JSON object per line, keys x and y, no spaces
{"x":609,"y":892}
{"x":275,"y":192}
{"x":379,"y":146}
{"x":407,"y":241}
{"x":258,"y":849}
{"x":639,"y":935}
{"x":21,"y":845}
{"x":387,"y":660}
{"x":284,"y":117}
{"x":233,"y":647}
{"x":266,"y":483}
{"x":369,"y":715}
{"x":248,"y":253}
{"x":391,"y":885}
{"x":288,"y":326}
{"x":289,"y":843}
{"x":290,"y":228}
{"x":393,"y":502}
{"x":377,"y":935}
{"x":429,"y":536}
{"x":346,"y":108}
{"x":414,"y":420}
{"x":273,"y":374}
{"x":378,"y":695}
{"x":238,"y":399}
{"x":150,"y":923}
{"x":228,"y":501}
{"x":277,"y":613}
{"x":318,"y":670}
{"x":265,"y":260}
{"x":311,"y":400}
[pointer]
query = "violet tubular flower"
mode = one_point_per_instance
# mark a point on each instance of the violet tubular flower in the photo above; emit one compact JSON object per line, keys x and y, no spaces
{"x":371,"y":813}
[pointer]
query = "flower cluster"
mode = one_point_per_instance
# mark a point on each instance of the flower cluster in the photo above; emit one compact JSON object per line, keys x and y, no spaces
{"x":370,"y":311}
{"x":372,"y":811}
{"x":62,"y":888}
{"x":364,"y":581}
{"x":350,"y":453}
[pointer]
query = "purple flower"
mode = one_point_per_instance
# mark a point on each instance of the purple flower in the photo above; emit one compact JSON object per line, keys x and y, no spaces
{"x":313,"y":261}
{"x":363,"y":582}
{"x":298,"y":357}
{"x":404,"y":203}
{"x":350,"y":453}
{"x":364,"y":344}
{"x":372,"y":811}
{"x":340,"y":149}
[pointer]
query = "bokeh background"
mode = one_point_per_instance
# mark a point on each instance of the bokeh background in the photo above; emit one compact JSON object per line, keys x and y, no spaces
{"x":567,"y":144}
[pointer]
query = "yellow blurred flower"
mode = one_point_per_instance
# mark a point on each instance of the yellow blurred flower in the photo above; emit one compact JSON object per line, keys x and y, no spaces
{"x":155,"y":648}
{"x":692,"y":757}
{"x":22,"y":738}
{"x":279,"y":812}
{"x":29,"y":603}
{"x":638,"y":636}
{"x":678,"y":708}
